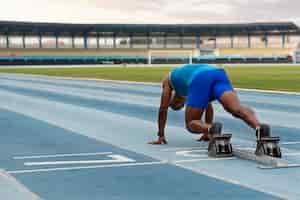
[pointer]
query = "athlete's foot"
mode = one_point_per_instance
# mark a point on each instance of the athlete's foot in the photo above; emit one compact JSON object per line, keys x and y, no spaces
{"x":263,"y":131}
{"x":216,"y":128}
{"x":161,"y":140}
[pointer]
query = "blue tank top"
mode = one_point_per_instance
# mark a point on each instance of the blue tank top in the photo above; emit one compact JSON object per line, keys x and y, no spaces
{"x":182,"y":77}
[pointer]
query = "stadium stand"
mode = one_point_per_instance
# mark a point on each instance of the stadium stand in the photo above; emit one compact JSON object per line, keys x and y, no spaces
{"x":254,"y":51}
{"x":29,"y":43}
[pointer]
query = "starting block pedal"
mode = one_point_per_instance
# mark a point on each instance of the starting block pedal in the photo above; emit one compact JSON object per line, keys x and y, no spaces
{"x":220,"y":146}
{"x":268,"y":146}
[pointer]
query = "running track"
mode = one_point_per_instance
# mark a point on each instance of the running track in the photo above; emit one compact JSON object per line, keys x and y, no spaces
{"x":86,"y":139}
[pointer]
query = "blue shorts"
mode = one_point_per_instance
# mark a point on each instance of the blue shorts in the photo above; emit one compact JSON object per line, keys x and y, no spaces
{"x":206,"y":87}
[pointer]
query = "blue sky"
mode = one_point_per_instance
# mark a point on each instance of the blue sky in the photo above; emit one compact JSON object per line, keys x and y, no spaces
{"x":151,"y":11}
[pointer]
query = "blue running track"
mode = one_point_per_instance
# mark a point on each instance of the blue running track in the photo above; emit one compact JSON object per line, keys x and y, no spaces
{"x":75,"y":139}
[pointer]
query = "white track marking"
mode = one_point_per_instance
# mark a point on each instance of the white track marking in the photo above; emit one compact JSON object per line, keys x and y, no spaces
{"x":202,"y":159}
{"x":114,"y":165}
{"x":144,"y":83}
{"x":287,"y":196}
{"x":86,"y":167}
{"x":61,"y":155}
{"x":279,"y":167}
{"x":191,"y":153}
{"x":115,"y":159}
{"x":205,"y":146}
{"x":290,"y":143}
{"x":292,"y":154}
{"x":268,"y":91}
{"x":184,"y":148}
{"x":264,"y":160}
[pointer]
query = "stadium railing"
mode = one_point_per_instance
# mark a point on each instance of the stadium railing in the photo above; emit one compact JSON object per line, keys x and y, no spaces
{"x":40,"y":60}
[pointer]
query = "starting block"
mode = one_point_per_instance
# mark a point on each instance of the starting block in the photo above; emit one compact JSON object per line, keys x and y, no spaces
{"x":264,"y":161}
{"x":268,"y":146}
{"x":220,"y":146}
{"x":267,"y":153}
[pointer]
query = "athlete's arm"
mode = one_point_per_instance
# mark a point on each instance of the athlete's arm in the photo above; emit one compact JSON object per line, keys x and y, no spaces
{"x":163,"y":111}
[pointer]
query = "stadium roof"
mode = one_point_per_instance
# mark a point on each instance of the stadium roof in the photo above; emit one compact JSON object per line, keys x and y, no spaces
{"x":144,"y":29}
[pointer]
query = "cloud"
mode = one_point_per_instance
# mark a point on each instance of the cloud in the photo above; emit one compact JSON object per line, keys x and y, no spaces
{"x":153,"y":11}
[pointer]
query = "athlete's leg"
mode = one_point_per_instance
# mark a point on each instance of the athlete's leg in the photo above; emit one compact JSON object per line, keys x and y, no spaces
{"x":197,"y":102}
{"x":231,"y":104}
{"x":193,"y":121}
{"x":209,"y":114}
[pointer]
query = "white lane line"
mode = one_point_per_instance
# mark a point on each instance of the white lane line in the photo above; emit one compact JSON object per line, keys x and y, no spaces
{"x":279,"y":167}
{"x":184,"y":148}
{"x":86,"y":167}
{"x":114,"y":165}
{"x":268,"y":91}
{"x":61,"y":155}
{"x":202,"y":159}
{"x":289,"y":143}
{"x":203,"y":146}
{"x":136,"y":82}
{"x":115,"y":159}
{"x":192,"y":153}
{"x":292,"y":154}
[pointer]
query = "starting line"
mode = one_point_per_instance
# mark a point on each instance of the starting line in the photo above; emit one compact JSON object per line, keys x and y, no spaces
{"x":115,"y":159}
{"x":61,"y":155}
{"x":86,"y":167}
{"x":192,"y":154}
{"x":114,"y":165}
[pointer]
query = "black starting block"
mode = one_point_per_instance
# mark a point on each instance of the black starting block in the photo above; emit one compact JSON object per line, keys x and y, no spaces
{"x":220,"y":146}
{"x":268,"y":146}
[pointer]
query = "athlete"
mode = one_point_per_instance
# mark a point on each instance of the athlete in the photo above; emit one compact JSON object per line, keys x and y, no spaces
{"x":197,"y":85}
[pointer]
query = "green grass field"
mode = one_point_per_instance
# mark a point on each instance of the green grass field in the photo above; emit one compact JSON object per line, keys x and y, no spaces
{"x":285,"y":78}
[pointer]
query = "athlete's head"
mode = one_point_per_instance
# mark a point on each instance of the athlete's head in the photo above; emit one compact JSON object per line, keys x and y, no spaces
{"x":177,"y":102}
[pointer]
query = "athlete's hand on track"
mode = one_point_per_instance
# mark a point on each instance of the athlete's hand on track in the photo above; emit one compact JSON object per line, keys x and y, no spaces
{"x":161,"y":140}
{"x":204,"y":137}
